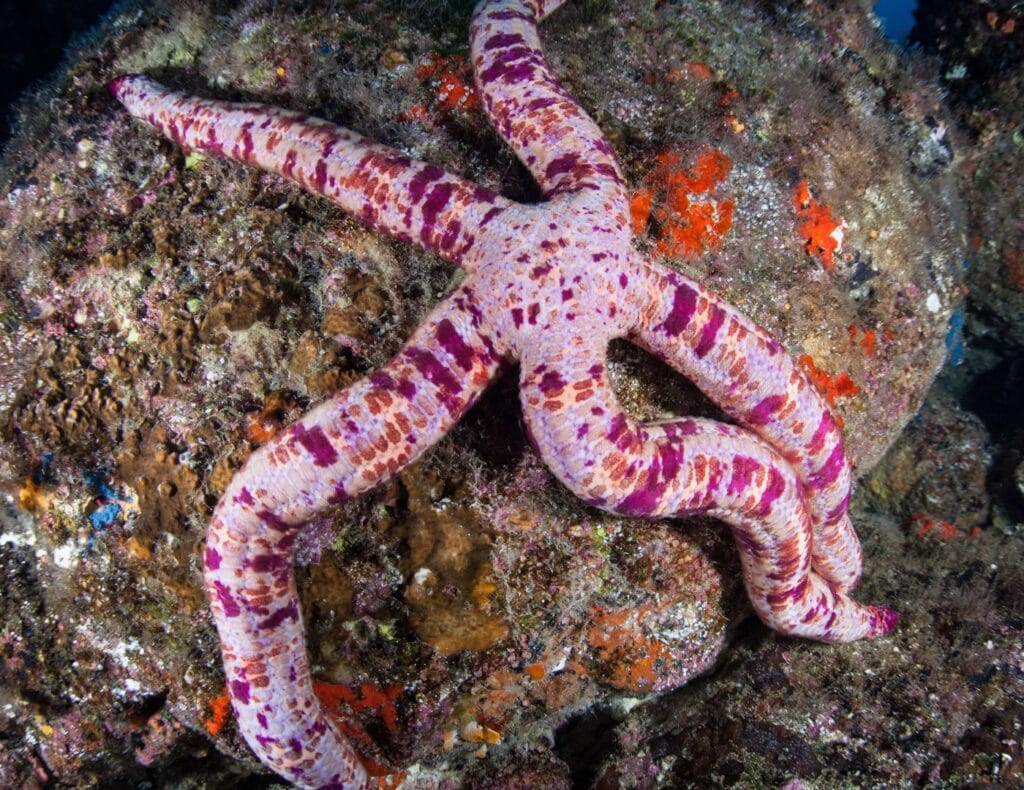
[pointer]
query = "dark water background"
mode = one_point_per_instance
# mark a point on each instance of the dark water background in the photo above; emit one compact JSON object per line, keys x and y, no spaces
{"x":33,"y":37}
{"x":897,"y":18}
{"x":35,"y":33}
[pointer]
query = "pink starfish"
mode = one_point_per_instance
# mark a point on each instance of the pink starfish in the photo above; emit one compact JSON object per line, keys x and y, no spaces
{"x":549,"y":285}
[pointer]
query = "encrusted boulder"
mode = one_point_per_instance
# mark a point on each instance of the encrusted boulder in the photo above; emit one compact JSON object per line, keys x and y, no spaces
{"x":164,"y":313}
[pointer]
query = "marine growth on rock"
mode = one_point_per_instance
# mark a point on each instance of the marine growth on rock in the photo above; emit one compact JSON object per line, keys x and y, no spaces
{"x":548,"y":285}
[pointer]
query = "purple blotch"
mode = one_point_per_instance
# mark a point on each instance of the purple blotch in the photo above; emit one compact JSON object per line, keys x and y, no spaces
{"x":436,"y":200}
{"x":644,"y":501}
{"x":268,"y":563}
{"x":792,"y":594}
{"x":551,"y":382}
{"x":482,"y":194}
{"x":884,"y":619}
{"x":561,"y":165}
{"x":776,"y":487}
{"x":406,"y":389}
{"x":316,"y":443}
{"x":320,"y":175}
{"x":671,"y":461}
{"x":830,"y":471}
{"x":839,"y":510}
{"x":764,"y":410}
{"x":436,"y":373}
{"x":240,"y":691}
{"x":540,"y":104}
{"x":452,"y":342}
{"x":418,"y":183}
{"x":709,"y":332}
{"x":451,"y":235}
{"x":273,"y":521}
{"x":382,"y":380}
{"x":743,"y":468}
{"x":289,"y":612}
{"x":508,"y":67}
{"x":824,"y":428}
{"x":503,"y":15}
{"x":617,"y":430}
{"x":227,"y":600}
{"x":339,"y":496}
{"x":503,"y":40}
{"x":684,"y":304}
{"x":640,"y":503}
{"x":491,"y":214}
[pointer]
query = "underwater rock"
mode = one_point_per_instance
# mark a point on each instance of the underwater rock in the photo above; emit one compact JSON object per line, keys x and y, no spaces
{"x":936,"y":470}
{"x":980,"y":48}
{"x":936,"y":703}
{"x":163,"y":313}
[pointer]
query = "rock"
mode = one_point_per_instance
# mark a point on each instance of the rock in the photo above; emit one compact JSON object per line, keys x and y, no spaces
{"x":935,"y":702}
{"x":937,"y":469}
{"x":981,"y":59}
{"x":155,"y":300}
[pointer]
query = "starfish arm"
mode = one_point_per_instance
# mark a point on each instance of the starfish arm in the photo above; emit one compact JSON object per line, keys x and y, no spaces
{"x":685,"y":467}
{"x":379,"y":186}
{"x":748,"y":373}
{"x":560,"y":144}
{"x":343,"y":447}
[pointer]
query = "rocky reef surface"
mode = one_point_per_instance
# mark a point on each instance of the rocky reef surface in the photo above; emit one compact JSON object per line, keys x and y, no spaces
{"x":163,"y":313}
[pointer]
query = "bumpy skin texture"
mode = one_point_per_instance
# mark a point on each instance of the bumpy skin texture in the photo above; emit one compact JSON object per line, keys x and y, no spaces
{"x":549,"y":285}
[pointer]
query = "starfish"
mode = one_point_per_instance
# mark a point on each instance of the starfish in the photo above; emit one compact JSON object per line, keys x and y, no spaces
{"x":548,"y":285}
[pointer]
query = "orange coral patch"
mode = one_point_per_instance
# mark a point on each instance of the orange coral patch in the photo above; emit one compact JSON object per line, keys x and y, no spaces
{"x":867,"y":340}
{"x":821,"y":232}
{"x":699,"y":71}
{"x":455,"y":92}
{"x":632,"y":657}
{"x":535,"y":671}
{"x":640,"y":210}
{"x":926,"y":526}
{"x":220,"y":709}
{"x":838,"y":386}
{"x":370,"y":698}
{"x":264,"y":425}
{"x":690,"y":220}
